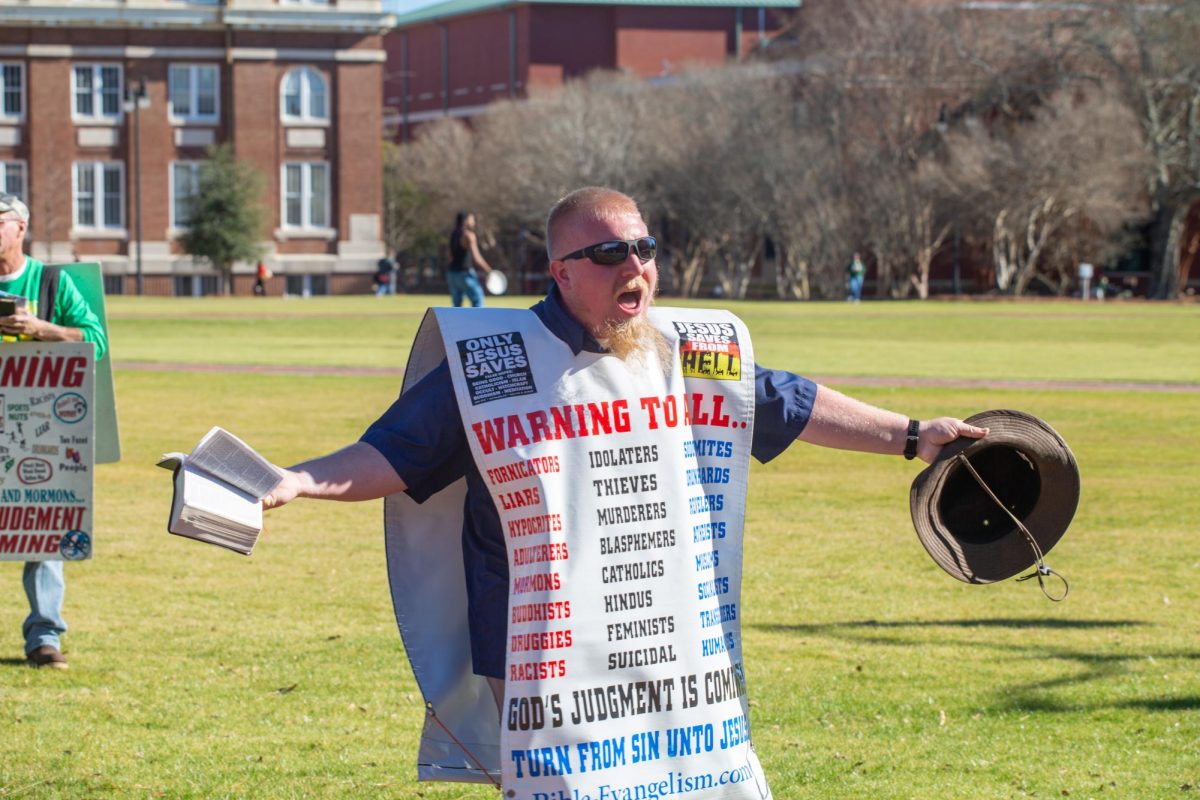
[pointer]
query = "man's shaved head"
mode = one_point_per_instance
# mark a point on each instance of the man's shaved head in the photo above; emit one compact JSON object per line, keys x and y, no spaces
{"x":588,"y":203}
{"x":609,"y":300}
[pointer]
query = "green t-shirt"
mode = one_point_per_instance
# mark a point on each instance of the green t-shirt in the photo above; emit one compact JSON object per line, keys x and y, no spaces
{"x":70,"y":309}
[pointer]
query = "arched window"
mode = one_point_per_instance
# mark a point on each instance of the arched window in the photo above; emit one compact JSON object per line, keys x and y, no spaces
{"x":304,"y":96}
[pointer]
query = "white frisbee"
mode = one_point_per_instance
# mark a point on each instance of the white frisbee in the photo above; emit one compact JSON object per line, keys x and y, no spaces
{"x":496,"y":282}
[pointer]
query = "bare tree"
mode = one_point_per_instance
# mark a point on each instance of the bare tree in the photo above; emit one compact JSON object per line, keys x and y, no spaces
{"x":1149,"y":54}
{"x":407,"y":223}
{"x":888,"y":128}
{"x":892,"y":66}
{"x":811,"y":217}
{"x":536,"y":151}
{"x":1070,"y":167}
{"x":688,"y":142}
{"x":440,"y":163}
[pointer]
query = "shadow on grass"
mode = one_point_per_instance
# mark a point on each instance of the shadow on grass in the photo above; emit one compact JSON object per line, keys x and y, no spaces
{"x":13,"y":662}
{"x":1163,"y":704}
{"x":1002,"y":622}
{"x":1031,"y":702}
{"x":1037,"y":696}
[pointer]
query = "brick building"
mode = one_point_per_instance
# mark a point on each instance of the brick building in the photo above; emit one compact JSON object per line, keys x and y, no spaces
{"x":292,"y":85}
{"x":453,"y":58}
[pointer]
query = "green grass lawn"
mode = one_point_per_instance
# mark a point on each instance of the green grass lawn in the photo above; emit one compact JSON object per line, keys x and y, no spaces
{"x":196,"y":673}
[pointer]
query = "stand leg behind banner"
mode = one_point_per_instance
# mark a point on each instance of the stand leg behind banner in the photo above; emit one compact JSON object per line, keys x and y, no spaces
{"x":461,"y":738}
{"x":425,"y":572}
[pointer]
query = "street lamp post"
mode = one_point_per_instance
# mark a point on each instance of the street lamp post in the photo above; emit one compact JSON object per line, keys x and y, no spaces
{"x":135,"y":101}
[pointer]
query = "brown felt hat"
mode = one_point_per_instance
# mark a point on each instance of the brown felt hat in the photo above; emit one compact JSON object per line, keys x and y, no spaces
{"x":1027,"y":466}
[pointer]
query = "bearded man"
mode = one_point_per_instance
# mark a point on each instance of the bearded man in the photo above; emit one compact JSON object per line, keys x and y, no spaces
{"x":604,"y":447}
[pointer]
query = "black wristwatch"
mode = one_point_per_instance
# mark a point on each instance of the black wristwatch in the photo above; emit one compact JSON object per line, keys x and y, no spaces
{"x":910,"y":441}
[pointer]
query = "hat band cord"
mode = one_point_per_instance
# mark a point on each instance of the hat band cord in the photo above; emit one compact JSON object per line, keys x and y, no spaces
{"x":1042,"y":571}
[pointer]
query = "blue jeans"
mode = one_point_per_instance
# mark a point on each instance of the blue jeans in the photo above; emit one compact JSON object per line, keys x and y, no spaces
{"x":464,"y":283}
{"x":856,"y":284}
{"x":44,"y":586}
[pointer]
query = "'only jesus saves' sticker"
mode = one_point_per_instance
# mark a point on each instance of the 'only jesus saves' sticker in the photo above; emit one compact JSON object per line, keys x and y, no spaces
{"x":496,"y":367}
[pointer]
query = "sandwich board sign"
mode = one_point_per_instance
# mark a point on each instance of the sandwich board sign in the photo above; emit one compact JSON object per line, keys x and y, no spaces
{"x":47,"y":450}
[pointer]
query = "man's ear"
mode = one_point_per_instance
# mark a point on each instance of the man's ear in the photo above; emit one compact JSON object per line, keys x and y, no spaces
{"x":560,"y":273}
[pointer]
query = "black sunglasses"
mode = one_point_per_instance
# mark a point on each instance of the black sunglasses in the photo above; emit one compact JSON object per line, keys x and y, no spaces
{"x":608,"y":254}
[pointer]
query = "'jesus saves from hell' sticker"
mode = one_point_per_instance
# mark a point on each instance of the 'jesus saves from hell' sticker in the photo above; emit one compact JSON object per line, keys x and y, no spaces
{"x":709,"y":350}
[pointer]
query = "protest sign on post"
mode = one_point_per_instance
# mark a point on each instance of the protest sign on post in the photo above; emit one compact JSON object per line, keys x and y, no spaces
{"x":47,"y":433}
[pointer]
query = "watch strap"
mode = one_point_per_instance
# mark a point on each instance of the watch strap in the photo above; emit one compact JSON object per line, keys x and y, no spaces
{"x":910,"y":441}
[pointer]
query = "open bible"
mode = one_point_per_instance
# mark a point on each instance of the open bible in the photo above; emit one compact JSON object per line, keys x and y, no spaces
{"x":219,"y":488}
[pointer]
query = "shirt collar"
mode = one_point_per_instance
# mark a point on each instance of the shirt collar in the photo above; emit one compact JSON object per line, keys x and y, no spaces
{"x":13,"y":276}
{"x":554,"y":315}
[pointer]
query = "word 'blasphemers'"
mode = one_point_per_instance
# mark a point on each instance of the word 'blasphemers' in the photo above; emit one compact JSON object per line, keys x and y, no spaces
{"x":602,"y":418}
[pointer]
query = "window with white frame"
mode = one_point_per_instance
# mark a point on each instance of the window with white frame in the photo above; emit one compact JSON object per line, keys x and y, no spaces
{"x":12,"y":91}
{"x":185,"y":185}
{"x":12,"y":178}
{"x":304,"y":96}
{"x":194,"y":92}
{"x":97,"y":91}
{"x":306,"y":195}
{"x":99,"y":195}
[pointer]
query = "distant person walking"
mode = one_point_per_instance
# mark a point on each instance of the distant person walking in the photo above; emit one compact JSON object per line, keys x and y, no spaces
{"x":383,"y":276}
{"x":855,"y":272}
{"x":260,"y":280}
{"x":464,"y":258}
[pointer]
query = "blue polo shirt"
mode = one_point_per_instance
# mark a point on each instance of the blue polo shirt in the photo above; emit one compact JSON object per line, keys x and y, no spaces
{"x":422,"y":437}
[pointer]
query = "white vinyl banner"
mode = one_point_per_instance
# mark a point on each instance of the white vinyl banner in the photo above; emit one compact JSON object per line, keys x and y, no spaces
{"x":620,"y":487}
{"x":46,"y":450}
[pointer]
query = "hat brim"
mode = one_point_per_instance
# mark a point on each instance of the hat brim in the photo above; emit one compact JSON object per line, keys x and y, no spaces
{"x":1030,"y":469}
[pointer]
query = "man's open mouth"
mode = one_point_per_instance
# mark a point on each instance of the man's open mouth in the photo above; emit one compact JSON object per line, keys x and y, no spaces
{"x":630,"y":299}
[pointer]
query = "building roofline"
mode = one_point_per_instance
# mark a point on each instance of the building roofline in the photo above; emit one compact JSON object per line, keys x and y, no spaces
{"x":310,"y":18}
{"x":164,"y":16}
{"x":449,"y":9}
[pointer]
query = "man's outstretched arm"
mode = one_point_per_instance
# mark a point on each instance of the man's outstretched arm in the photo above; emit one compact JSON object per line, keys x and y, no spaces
{"x":848,"y":424}
{"x":356,"y":472}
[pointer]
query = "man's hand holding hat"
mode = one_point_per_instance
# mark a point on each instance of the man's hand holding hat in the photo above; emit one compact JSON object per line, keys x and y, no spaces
{"x":937,"y":433}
